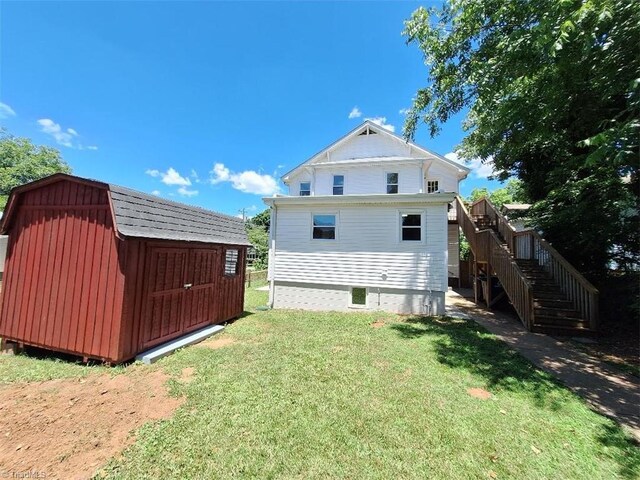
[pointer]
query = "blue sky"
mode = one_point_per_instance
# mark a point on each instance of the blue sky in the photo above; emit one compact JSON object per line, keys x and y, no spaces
{"x":152,"y":95}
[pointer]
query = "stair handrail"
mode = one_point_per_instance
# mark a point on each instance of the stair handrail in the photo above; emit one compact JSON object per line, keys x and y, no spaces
{"x":471,"y":231}
{"x":516,"y":285}
{"x":578,"y":289}
{"x":502,"y":224}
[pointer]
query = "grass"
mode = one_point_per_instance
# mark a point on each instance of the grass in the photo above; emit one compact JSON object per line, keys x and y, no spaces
{"x":326,"y":395}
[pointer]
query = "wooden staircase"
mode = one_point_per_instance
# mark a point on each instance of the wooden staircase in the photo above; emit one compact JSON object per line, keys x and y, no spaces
{"x":549,"y":295}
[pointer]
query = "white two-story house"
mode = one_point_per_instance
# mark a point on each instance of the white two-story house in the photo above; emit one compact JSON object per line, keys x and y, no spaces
{"x":365,"y":226}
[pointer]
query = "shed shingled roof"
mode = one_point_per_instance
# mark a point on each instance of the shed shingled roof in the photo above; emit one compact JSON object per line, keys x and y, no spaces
{"x":140,"y":215}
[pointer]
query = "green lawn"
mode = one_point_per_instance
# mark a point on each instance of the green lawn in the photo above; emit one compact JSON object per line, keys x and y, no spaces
{"x":326,"y":395}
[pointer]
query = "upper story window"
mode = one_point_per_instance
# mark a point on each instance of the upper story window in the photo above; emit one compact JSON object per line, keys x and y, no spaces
{"x":305,"y":189}
{"x":338,"y":184}
{"x":411,"y":227}
{"x":231,"y":262}
{"x":324,"y":227}
{"x":392,"y":183}
{"x":432,"y":186}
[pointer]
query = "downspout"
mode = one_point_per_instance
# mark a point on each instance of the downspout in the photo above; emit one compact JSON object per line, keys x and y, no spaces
{"x":272,"y":254}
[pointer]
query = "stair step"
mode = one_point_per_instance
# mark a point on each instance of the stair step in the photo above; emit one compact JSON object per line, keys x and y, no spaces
{"x":554,"y":296}
{"x":560,"y":302}
{"x":538,"y":288}
{"x":564,"y":313}
{"x":560,"y":322}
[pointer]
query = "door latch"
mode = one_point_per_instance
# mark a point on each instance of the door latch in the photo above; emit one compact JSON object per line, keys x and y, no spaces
{"x":187,"y":286}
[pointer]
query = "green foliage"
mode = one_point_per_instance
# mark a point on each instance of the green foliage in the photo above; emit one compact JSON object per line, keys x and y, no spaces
{"x":22,"y":162}
{"x":258,"y":232}
{"x":553,"y":98}
{"x":511,"y":193}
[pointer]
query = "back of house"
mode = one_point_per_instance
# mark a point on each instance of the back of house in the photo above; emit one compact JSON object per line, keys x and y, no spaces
{"x":366,"y":225}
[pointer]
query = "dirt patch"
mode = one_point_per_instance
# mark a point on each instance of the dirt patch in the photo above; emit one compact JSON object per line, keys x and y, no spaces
{"x":187,"y":374}
{"x":480,"y":393}
{"x":377,"y":324}
{"x":218,"y":343}
{"x":69,"y":428}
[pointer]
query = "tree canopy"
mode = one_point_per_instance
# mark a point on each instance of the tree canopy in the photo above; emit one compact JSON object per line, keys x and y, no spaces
{"x":552,"y":91}
{"x":258,"y":233}
{"x":22,"y":162}
{"x":511,"y":193}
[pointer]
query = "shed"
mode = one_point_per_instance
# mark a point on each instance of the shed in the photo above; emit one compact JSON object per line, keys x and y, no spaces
{"x":105,"y":272}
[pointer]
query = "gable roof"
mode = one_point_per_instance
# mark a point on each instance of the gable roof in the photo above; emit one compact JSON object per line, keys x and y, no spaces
{"x":138,"y":214}
{"x":462,"y":170}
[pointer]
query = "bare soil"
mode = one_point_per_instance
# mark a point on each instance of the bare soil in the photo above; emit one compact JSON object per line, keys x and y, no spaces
{"x":218,"y":342}
{"x":378,"y":324}
{"x":480,"y":393}
{"x":69,"y":428}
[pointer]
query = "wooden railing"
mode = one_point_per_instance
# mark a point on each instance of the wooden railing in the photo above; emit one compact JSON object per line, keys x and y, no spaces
{"x":530,"y":245}
{"x":505,"y":229}
{"x":515,"y":283}
{"x":478,"y":239}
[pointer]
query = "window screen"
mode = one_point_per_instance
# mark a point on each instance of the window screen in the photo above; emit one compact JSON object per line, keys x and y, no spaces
{"x":392,"y":183}
{"x":338,"y":184}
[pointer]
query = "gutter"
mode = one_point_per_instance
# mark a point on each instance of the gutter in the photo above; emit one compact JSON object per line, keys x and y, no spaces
{"x":383,"y":199}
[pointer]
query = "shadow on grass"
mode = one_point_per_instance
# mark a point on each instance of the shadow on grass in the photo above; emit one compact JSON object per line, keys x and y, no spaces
{"x":464,"y":345}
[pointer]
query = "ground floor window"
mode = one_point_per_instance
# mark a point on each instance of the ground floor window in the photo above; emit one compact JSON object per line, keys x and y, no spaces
{"x":411,"y":227}
{"x":358,"y":297}
{"x":324,"y":227}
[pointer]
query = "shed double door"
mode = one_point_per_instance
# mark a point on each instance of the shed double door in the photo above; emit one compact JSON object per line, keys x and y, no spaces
{"x":180,"y":292}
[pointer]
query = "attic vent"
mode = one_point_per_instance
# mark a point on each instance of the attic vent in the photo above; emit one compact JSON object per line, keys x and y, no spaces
{"x":367,"y":131}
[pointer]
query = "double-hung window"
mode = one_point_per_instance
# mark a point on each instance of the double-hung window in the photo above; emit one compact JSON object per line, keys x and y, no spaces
{"x":305,"y":189}
{"x":392,"y":183}
{"x":411,"y":227}
{"x":338,"y":184}
{"x":324,"y":227}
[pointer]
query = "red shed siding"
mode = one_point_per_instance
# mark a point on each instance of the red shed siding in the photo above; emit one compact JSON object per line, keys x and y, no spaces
{"x":158,"y":307}
{"x":65,"y":279}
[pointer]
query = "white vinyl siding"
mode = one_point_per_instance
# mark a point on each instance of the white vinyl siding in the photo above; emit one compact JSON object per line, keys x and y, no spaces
{"x":454,"y":251}
{"x":370,"y":179}
{"x":367,"y":252}
{"x":363,"y":146}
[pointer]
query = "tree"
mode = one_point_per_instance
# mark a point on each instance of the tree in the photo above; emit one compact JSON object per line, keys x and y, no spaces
{"x":553,"y":98}
{"x":512,"y":192}
{"x":258,"y":233}
{"x":22,"y":162}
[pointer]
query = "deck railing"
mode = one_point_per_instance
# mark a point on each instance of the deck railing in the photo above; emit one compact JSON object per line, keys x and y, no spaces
{"x":529,"y":245}
{"x":478,"y":239}
{"x":505,"y":229}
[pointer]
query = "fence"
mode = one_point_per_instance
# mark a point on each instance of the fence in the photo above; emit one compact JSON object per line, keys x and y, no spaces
{"x":253,"y":276}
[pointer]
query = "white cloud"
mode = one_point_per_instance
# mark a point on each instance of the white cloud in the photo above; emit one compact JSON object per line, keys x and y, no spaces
{"x":153,"y":172}
{"x":355,"y":113}
{"x":248,"y":181}
{"x":92,"y":147}
{"x":6,"y":111}
{"x":172,"y":177}
{"x":55,"y":130}
{"x":184,"y":191}
{"x":195,"y":176}
{"x":478,"y":168}
{"x":156,"y":193}
{"x":72,"y":132}
{"x":404,"y":111}
{"x":382,"y":121}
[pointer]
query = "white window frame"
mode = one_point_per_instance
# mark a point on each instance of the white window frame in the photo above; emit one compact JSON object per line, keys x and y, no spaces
{"x":432,"y":180}
{"x":366,"y":297}
{"x":386,"y":182}
{"x":337,"y":221}
{"x":423,"y":230}
{"x":333,"y":185}
{"x":300,"y":189}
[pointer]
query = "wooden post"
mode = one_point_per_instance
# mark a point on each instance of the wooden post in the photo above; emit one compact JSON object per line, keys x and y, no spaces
{"x":489,"y":293}
{"x":475,"y":281}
